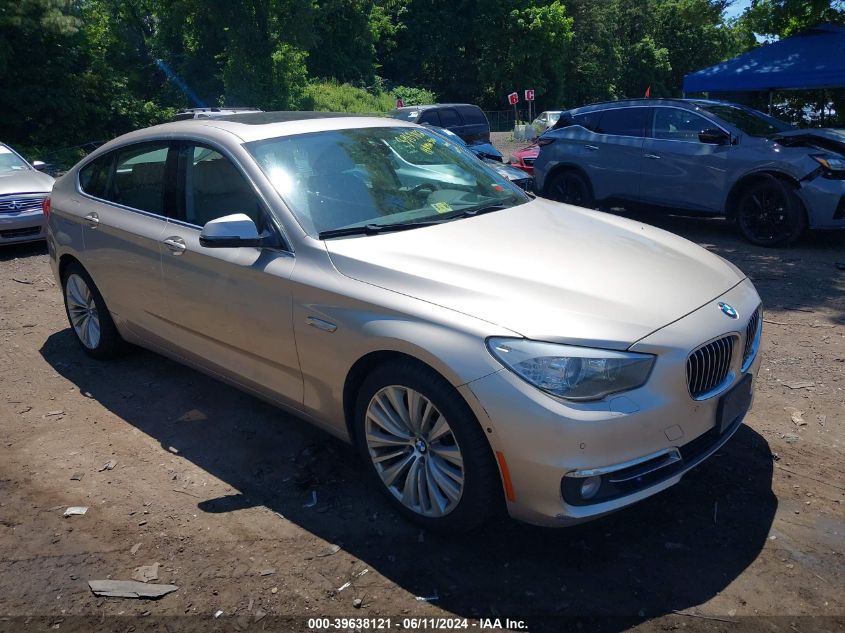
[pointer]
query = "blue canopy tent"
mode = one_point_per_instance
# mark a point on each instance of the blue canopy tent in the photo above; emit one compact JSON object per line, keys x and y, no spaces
{"x":812,"y":59}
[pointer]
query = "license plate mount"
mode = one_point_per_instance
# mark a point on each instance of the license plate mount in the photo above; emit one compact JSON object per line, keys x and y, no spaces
{"x":734,"y":403}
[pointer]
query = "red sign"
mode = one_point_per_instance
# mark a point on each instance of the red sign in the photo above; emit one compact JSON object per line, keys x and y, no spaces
{"x":529,"y":95}
{"x":513,"y":98}
{"x":400,"y":103}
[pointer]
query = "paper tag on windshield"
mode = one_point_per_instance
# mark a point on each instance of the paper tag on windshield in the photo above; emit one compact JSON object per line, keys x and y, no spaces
{"x":441,"y":207}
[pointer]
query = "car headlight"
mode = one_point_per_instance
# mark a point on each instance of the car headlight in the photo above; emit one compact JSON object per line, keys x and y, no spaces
{"x":573,"y":373}
{"x":830,"y":163}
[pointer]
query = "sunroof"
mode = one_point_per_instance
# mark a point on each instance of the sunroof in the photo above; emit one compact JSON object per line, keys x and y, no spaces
{"x":262,"y":118}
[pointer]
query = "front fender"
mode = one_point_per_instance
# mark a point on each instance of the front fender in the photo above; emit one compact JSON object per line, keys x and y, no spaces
{"x":341,"y":320}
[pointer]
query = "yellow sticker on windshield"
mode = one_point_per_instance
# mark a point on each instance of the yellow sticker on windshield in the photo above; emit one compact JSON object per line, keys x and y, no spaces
{"x":441,"y":207}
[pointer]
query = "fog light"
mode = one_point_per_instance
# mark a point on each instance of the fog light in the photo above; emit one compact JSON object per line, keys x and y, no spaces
{"x":590,"y":486}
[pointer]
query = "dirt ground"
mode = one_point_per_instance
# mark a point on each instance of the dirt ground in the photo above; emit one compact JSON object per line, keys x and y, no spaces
{"x":217,"y":487}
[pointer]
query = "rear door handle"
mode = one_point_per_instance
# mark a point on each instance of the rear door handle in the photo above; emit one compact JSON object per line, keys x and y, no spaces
{"x":592,"y":147}
{"x":651,"y":156}
{"x":176,"y":244}
{"x":93,"y":220}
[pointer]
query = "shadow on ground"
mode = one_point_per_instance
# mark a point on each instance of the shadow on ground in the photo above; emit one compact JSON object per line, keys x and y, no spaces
{"x":671,"y":552}
{"x":19,"y":251}
{"x":807,"y":276}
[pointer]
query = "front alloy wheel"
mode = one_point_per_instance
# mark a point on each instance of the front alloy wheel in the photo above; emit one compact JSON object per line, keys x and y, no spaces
{"x":769,"y":213}
{"x":425,"y":448}
{"x":414,"y":451}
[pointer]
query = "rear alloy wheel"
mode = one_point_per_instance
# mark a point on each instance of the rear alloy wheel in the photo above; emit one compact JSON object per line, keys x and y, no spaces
{"x":769,"y":213}
{"x":570,"y":187}
{"x":88,"y":316}
{"x":425,"y":448}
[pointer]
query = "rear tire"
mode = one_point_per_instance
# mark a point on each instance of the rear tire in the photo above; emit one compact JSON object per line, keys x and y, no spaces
{"x":770,"y":213}
{"x":571,"y":187}
{"x":425,"y":449}
{"x":88,"y":315}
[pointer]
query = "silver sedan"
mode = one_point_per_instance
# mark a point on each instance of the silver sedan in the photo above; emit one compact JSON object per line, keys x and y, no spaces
{"x":485,"y":351}
{"x":23,"y":190}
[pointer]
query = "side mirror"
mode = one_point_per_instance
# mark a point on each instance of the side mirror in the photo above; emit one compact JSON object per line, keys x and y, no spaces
{"x":714,"y":136}
{"x":231,"y":231}
{"x":40,"y":165}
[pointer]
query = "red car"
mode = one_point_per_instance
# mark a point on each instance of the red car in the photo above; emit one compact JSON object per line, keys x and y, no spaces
{"x":524,"y":158}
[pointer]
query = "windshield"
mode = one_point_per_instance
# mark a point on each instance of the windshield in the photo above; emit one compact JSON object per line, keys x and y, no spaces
{"x":748,"y":121}
{"x":9,"y":161}
{"x":378,"y":176}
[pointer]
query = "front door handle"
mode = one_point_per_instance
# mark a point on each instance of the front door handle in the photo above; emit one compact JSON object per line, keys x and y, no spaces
{"x":651,"y":156}
{"x":93,"y":220}
{"x":176,"y":244}
{"x":592,"y":147}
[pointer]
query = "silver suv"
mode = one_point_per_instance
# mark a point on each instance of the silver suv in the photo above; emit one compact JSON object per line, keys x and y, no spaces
{"x":698,"y":157}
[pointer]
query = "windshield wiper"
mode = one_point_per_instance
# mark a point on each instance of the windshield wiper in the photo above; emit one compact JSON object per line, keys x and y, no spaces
{"x":469,"y":213}
{"x":373,"y":229}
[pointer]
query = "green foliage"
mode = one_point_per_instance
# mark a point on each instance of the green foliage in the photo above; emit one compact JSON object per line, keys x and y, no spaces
{"x":76,"y":71}
{"x":330,"y":96}
{"x":413,"y":96}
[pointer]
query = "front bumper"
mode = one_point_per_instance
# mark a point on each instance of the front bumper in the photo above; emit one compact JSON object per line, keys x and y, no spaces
{"x":23,"y":226}
{"x":544,"y":439}
{"x":824,"y":200}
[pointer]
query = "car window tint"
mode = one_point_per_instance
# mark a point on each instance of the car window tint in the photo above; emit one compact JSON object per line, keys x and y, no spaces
{"x":94,"y":177}
{"x":214,"y":188}
{"x":623,"y":122}
{"x":430,"y":117}
{"x":678,"y":125}
{"x":138,"y":177}
{"x":449,"y":117}
{"x":588,"y":120}
{"x":473,"y":116}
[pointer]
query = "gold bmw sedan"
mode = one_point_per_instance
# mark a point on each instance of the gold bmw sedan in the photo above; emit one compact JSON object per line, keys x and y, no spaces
{"x":483,"y":349}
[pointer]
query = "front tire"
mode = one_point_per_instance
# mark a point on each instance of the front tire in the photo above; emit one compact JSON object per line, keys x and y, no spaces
{"x":88,"y":315}
{"x":425,"y":448}
{"x":770,"y":213}
{"x":571,"y":187}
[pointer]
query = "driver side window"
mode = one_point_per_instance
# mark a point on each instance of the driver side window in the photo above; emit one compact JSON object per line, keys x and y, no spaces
{"x":214,"y":188}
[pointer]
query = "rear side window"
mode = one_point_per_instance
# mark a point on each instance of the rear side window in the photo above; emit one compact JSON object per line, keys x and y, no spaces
{"x":623,"y":122}
{"x":94,"y":177}
{"x":473,"y":116}
{"x":449,"y":117}
{"x":587,"y":120}
{"x":138,"y":180}
{"x":430,"y":117}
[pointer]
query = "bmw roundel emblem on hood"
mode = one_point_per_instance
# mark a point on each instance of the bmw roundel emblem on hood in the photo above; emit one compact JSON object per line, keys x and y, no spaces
{"x":728,"y":310}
